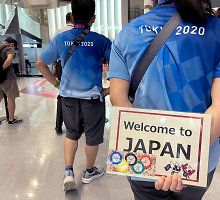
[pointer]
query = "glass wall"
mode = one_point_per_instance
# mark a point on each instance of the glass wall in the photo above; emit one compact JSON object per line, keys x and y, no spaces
{"x":136,"y":8}
{"x":111,"y":16}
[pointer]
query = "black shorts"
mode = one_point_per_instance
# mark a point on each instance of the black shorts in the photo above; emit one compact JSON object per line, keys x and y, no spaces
{"x":84,"y":116}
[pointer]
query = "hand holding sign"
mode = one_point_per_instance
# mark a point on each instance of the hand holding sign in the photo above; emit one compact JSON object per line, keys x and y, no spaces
{"x":171,"y":182}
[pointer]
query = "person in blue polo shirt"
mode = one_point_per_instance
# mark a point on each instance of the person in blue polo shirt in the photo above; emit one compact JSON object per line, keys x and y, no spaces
{"x":184,"y":76}
{"x":81,"y":88}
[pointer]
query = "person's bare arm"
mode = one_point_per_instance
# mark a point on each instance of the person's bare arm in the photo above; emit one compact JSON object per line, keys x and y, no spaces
{"x":214,"y":110}
{"x":8,"y":61}
{"x":119,"y":89}
{"x":45,"y":71}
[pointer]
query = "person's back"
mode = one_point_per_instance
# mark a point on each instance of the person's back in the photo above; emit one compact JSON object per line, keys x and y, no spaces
{"x":185,"y":54}
{"x":180,"y":78}
{"x":84,"y":68}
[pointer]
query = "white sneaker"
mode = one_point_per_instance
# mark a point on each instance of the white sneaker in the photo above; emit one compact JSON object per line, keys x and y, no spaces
{"x":68,"y":182}
{"x":89,"y":177}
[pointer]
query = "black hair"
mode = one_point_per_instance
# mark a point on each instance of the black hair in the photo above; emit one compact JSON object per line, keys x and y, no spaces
{"x":12,"y":40}
{"x":68,"y":17}
{"x":195,"y":11}
{"x":217,"y":13}
{"x":83,"y":10}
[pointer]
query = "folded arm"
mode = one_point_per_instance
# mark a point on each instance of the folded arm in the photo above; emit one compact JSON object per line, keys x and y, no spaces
{"x":8,"y":61}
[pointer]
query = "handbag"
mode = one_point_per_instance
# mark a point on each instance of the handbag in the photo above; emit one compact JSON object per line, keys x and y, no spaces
{"x":3,"y":72}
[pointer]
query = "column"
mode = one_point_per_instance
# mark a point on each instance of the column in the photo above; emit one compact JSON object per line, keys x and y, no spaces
{"x":22,"y":65}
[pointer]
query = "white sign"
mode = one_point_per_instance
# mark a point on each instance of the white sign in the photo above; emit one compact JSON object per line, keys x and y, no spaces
{"x":152,"y":143}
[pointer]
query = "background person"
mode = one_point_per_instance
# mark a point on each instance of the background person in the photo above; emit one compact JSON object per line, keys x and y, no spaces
{"x":184,"y":76}
{"x":81,"y":88}
{"x":69,"y":25}
{"x":9,"y":86}
{"x":27,"y":62}
{"x":59,"y":116}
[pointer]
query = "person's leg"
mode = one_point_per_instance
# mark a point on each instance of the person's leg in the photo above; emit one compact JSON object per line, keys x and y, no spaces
{"x":70,"y":148}
{"x":91,"y":154}
{"x":12,"y":92}
{"x":73,"y":121}
{"x":11,"y":109}
{"x":1,"y":94}
{"x":0,"y":102}
{"x":29,"y":64}
{"x":59,"y":116}
{"x":94,"y":122}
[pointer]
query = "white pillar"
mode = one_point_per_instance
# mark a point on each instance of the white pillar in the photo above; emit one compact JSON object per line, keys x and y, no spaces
{"x":63,"y":12}
{"x":148,"y":5}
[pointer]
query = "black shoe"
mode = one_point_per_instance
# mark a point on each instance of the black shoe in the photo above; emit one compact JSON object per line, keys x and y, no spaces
{"x":58,"y":130}
{"x":15,"y":121}
{"x":106,"y":120}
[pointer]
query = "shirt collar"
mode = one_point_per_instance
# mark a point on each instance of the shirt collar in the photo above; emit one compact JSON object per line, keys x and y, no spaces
{"x":70,"y":25}
{"x":163,"y":1}
{"x":82,"y":25}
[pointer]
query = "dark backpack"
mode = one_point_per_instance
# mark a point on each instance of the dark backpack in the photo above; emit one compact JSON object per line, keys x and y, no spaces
{"x":3,"y":73}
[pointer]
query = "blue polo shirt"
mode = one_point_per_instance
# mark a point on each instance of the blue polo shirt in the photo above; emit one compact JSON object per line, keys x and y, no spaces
{"x":180,"y":76}
{"x":82,"y":74}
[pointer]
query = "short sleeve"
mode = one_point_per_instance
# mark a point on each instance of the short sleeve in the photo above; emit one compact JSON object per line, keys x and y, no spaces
{"x":117,"y":64}
{"x":107,"y":49}
{"x":217,"y":71}
{"x":51,"y":53}
{"x":9,"y":50}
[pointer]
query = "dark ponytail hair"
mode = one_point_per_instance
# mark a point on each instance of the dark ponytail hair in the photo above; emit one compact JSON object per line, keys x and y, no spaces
{"x":195,"y":10}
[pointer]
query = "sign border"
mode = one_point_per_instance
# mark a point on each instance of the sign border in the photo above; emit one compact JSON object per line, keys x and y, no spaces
{"x":169,"y":115}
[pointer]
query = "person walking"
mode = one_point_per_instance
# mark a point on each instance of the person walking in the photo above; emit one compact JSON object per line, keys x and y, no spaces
{"x":184,"y":76}
{"x":9,"y":86}
{"x":81,"y":88}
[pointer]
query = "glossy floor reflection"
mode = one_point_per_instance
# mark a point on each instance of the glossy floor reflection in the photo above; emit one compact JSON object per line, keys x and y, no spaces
{"x":32,"y":161}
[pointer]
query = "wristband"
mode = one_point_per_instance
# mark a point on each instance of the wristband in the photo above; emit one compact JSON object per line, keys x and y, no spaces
{"x":57,"y":84}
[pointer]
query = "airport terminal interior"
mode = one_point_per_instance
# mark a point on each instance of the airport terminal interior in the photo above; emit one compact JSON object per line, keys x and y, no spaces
{"x":32,"y":153}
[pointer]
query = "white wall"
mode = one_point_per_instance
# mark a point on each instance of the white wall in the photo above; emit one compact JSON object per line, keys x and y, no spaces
{"x":27,"y":24}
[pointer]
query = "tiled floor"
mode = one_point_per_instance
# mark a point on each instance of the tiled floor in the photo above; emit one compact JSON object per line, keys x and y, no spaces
{"x":32,"y":161}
